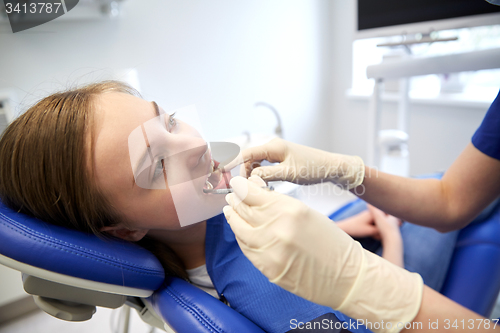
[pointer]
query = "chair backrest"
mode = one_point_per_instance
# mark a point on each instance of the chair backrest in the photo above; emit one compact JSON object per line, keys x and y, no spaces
{"x":70,"y":272}
{"x":473,"y":278}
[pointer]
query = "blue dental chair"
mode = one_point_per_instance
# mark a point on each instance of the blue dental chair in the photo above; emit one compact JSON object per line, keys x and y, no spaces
{"x":70,"y":273}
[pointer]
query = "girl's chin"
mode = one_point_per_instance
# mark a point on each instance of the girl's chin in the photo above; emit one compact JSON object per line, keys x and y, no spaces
{"x":201,"y":209}
{"x":217,"y":200}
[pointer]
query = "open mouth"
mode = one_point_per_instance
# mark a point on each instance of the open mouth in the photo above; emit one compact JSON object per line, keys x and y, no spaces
{"x":217,"y":178}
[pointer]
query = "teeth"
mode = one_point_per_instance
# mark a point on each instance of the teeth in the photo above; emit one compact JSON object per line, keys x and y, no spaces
{"x":209,"y":185}
{"x":212,"y":165}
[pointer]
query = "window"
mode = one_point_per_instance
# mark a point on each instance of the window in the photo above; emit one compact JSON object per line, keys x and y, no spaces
{"x":478,"y":85}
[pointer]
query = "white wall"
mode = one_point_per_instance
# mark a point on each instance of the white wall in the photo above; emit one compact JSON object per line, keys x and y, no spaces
{"x":221,"y":55}
{"x":437,"y":133}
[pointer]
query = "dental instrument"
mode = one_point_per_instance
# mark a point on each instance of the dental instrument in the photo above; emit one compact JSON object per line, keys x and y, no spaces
{"x":230,"y":190}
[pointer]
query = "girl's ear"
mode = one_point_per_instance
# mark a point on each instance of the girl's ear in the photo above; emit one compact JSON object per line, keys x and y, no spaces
{"x":132,"y":235}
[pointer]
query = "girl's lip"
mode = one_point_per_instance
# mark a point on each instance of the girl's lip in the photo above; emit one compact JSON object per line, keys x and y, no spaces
{"x":219,"y":178}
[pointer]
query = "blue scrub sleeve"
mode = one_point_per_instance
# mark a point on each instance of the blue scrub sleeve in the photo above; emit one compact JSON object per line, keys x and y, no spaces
{"x":487,"y":136}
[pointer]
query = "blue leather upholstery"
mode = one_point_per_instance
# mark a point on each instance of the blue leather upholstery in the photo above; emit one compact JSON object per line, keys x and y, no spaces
{"x":192,"y":310}
{"x":473,"y":278}
{"x":33,"y":242}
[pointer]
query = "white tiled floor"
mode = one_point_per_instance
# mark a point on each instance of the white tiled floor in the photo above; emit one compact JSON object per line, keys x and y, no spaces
{"x":103,"y":321}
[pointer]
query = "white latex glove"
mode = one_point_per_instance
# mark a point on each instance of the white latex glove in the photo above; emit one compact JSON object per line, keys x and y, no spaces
{"x":301,"y":165}
{"x":304,"y":252}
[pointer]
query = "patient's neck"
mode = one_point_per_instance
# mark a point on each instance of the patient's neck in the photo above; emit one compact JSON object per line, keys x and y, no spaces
{"x":188,"y":243}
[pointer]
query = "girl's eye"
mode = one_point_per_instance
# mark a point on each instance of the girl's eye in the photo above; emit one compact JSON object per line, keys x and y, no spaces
{"x":171,"y":121}
{"x":158,"y":169}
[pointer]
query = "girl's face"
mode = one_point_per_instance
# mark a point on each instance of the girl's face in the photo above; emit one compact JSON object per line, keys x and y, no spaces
{"x":151,"y":167}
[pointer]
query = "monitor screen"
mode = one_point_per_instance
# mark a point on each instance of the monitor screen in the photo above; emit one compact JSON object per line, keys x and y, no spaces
{"x":383,"y":14}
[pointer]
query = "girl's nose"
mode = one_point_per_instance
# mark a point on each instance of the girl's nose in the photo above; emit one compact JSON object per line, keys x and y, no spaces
{"x":191,"y":154}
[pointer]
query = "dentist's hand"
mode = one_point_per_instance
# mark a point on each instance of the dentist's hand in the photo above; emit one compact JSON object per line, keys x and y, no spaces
{"x":304,"y":252}
{"x":302,"y":165}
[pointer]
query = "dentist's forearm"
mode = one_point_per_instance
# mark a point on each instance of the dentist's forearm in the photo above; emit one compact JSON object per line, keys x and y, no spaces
{"x":440,"y":314}
{"x":468,"y":186}
{"x":406,"y":197}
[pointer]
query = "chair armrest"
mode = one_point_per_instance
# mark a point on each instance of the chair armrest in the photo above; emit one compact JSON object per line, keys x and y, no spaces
{"x":187,"y":309}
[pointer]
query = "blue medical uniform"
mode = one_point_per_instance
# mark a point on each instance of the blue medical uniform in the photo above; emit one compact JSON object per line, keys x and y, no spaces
{"x":487,"y":136}
{"x":250,"y":293}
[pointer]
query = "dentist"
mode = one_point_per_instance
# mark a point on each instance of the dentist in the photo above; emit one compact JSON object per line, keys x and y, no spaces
{"x":302,"y":251}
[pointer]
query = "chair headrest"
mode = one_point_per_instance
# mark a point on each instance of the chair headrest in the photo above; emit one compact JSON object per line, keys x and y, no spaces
{"x":76,"y":254}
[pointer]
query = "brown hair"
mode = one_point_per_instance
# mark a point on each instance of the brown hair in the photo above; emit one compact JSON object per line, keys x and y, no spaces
{"x":45,"y":170}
